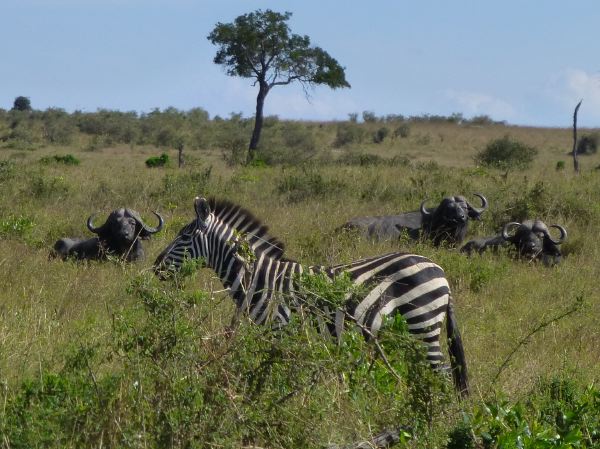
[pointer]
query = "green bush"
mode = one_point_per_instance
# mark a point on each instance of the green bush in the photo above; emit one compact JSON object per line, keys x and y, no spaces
{"x":588,"y":144}
{"x":556,"y":415}
{"x":361,"y":159}
{"x":7,"y":169}
{"x":306,"y":183}
{"x":380,"y":135}
{"x":15,"y":226}
{"x":506,"y":153}
{"x":177,"y":379}
{"x":402,"y":131}
{"x":348,"y":133}
{"x":67,"y":159}
{"x":22,"y":103}
{"x":369,"y":117}
{"x":292,"y":143}
{"x":179,"y":188}
{"x":157,"y":161}
{"x":59,"y":126}
{"x":41,"y":186}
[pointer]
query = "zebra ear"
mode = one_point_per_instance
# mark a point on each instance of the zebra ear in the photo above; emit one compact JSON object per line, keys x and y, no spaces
{"x":202,"y":208}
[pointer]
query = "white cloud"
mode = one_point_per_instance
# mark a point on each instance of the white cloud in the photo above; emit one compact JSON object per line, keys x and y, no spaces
{"x":572,"y":85}
{"x":474,"y":103}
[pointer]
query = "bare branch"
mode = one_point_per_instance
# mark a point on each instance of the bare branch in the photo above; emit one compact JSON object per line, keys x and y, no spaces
{"x":523,"y":341}
{"x":575,"y":160}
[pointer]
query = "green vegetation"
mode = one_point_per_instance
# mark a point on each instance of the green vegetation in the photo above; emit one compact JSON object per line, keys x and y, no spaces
{"x":67,"y":159}
{"x":506,"y":153}
{"x":104,"y":354}
{"x":588,"y":144}
{"x":22,"y":104}
{"x":158,"y":161}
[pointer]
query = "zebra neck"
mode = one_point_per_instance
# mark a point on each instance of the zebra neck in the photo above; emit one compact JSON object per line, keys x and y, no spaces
{"x":232,"y":272}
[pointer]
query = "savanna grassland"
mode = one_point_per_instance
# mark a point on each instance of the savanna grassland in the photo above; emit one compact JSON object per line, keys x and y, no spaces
{"x":102,"y":354}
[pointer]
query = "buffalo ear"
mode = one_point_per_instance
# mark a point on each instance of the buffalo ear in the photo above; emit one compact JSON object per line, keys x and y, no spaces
{"x":473,"y":213}
{"x":202,"y":208}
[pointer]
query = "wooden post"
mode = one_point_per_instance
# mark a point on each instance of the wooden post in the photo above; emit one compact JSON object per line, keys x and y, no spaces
{"x":180,"y":154}
{"x":575,"y":159}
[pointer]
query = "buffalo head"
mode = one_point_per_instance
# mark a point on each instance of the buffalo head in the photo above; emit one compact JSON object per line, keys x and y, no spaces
{"x":533,"y":241}
{"x":119,"y":236}
{"x":124,"y":225}
{"x":122,"y":231}
{"x":448,"y":222}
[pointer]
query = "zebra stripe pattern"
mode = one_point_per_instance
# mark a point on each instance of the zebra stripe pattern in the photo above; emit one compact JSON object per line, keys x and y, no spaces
{"x":266,"y":286}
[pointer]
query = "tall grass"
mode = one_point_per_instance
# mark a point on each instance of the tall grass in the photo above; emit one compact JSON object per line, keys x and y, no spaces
{"x":74,"y":372}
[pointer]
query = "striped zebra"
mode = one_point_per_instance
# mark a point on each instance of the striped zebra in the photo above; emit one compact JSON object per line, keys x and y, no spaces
{"x":258,"y":276}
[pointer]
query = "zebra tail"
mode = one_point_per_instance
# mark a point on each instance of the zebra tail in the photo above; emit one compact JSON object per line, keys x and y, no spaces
{"x":458,"y":362}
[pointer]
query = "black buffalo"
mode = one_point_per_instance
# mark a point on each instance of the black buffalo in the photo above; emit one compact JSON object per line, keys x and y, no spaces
{"x":531,"y":239}
{"x":446,"y":223}
{"x":120,"y":236}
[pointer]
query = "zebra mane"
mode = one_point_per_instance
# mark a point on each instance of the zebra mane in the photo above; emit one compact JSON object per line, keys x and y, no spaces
{"x":248,"y":225}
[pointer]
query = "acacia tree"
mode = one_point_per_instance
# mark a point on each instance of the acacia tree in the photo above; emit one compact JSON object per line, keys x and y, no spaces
{"x":260,"y":45}
{"x":22,"y":104}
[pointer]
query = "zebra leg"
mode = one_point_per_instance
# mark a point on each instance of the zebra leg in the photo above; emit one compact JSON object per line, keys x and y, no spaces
{"x":430,"y":337}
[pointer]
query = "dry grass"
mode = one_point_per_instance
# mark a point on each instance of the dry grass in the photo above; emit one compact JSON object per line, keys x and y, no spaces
{"x":46,"y":305}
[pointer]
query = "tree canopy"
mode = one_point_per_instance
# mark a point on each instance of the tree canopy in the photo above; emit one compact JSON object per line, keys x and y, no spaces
{"x":22,"y":104}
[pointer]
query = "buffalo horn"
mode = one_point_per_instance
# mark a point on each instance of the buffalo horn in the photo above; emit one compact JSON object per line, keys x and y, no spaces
{"x":147,"y":229}
{"x":158,"y":228}
{"x":505,"y":235}
{"x":423,"y":210}
{"x":90,"y":225}
{"x":484,"y":203}
{"x":563,"y":234}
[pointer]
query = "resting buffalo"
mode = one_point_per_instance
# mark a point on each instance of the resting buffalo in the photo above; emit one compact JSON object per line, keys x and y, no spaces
{"x":119,"y":236}
{"x":446,"y":223}
{"x":531,"y":239}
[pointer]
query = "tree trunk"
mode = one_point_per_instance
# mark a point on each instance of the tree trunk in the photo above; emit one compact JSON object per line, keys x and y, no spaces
{"x":575,"y":160}
{"x":258,"y":120}
{"x":180,"y":154}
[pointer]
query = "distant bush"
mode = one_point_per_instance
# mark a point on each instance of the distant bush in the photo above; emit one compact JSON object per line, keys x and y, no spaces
{"x":361,"y":159}
{"x":348,"y":133}
{"x":306,"y":184}
{"x":67,"y":159}
{"x":560,"y":165}
{"x":180,"y":187}
{"x":366,"y":159}
{"x":22,"y":104}
{"x":157,"y":161}
{"x":369,"y":117}
{"x":588,"y":144}
{"x":506,"y":153}
{"x":58,"y":126}
{"x":380,"y":135}
{"x":402,"y":131}
{"x":41,"y":186}
{"x":423,"y":139}
{"x":292,"y":143}
{"x":481,"y":120}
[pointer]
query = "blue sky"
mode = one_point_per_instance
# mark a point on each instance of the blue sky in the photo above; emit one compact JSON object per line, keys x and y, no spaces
{"x":526,"y":62}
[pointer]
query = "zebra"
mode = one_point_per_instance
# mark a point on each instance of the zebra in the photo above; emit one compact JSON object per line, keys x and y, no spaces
{"x":257,"y":275}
